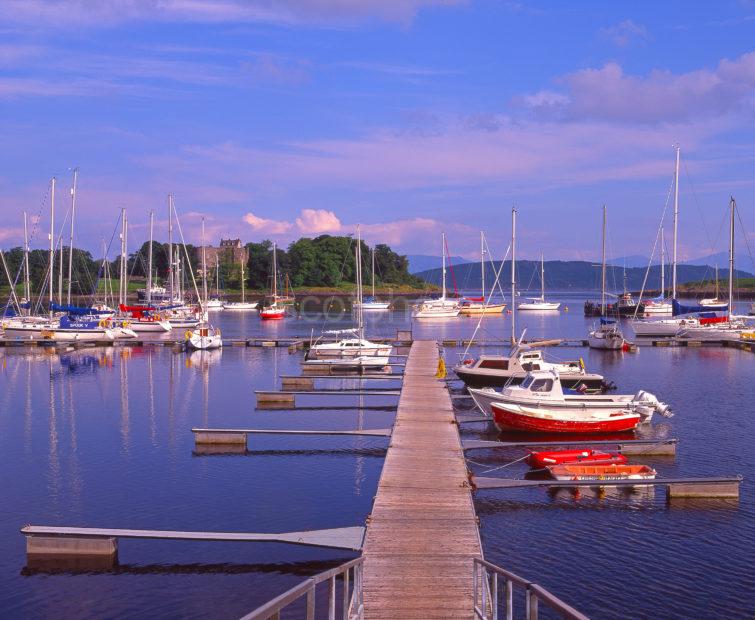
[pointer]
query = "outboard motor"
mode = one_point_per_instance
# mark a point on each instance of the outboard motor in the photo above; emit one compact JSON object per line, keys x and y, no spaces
{"x":646,"y":404}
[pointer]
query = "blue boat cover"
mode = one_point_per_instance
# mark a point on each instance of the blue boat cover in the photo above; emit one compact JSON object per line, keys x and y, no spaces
{"x":677,"y":309}
{"x":76,"y":310}
{"x":607,"y":321}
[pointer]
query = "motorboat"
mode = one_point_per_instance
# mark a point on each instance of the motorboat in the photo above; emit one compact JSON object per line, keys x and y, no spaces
{"x":548,"y":458}
{"x":542,"y":393}
{"x":602,"y":473}
{"x":143,"y":319}
{"x":499,"y":370}
{"x":510,"y":417}
{"x":539,"y":303}
{"x":606,"y":336}
{"x":346,"y":347}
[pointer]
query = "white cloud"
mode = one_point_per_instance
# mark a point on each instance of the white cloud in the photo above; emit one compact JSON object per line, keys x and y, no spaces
{"x":317,"y":222}
{"x":624,"y":33}
{"x":262,"y":225}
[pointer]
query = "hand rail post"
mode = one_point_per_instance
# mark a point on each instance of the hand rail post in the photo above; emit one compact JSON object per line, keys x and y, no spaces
{"x":346,"y":592}
{"x":509,"y":599}
{"x":311,"y":602}
{"x":494,"y":597}
{"x":475,"y":569}
{"x":531,"y":604}
{"x":332,"y":598}
{"x":484,"y":584}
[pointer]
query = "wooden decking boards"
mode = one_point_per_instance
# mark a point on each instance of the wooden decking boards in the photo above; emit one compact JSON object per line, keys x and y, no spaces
{"x":422,"y":533}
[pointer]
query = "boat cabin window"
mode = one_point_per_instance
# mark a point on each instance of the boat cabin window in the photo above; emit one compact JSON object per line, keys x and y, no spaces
{"x":495,"y":364}
{"x":541,"y":385}
{"x":530,"y":366}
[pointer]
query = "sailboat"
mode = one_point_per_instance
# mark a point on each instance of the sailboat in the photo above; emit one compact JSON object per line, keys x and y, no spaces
{"x":275,"y":311}
{"x":608,"y":334}
{"x":243,"y":305}
{"x":539,"y":303}
{"x":478,"y":305}
{"x":731,"y":329}
{"x":370,"y":303}
{"x":215,"y":303}
{"x":659,"y":305}
{"x":355,"y":352}
{"x":441,"y":308}
{"x":714,"y":303}
{"x":204,"y":335}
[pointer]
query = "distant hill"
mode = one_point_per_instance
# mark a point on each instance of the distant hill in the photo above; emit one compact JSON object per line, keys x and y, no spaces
{"x":423,"y":262}
{"x":565,"y":275}
{"x":635,"y":260}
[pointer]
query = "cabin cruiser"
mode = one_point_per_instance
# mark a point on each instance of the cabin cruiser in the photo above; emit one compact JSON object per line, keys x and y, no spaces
{"x":540,"y":401}
{"x":353,"y":346}
{"x":498,"y":370}
{"x":624,"y":307}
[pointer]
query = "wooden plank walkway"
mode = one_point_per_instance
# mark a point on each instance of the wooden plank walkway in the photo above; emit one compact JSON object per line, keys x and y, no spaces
{"x":422,"y":533}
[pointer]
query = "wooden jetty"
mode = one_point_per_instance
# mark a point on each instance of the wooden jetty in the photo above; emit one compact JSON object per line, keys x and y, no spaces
{"x":422,"y":535}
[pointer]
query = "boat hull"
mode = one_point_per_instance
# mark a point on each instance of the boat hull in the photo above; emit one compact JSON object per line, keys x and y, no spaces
{"x":539,"y":306}
{"x":272,"y":315}
{"x":478,"y":309}
{"x":515,"y":418}
{"x":240,"y":307}
{"x":543,"y":459}
{"x":607,"y":344}
{"x":486,"y":377}
{"x":150,"y":326}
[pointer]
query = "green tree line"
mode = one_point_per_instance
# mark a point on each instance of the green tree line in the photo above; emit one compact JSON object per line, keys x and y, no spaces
{"x":324,"y":261}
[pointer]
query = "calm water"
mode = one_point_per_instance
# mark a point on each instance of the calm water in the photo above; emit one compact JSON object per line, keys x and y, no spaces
{"x":100,"y":437}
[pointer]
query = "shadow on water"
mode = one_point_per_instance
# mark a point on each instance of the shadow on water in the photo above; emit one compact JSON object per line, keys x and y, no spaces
{"x":86,"y":566}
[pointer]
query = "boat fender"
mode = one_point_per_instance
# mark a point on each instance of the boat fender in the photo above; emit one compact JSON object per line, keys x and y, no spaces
{"x":187,"y":334}
{"x":468,"y":362}
{"x":103,"y":323}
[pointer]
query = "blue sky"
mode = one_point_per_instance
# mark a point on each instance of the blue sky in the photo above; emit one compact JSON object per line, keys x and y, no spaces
{"x":279,"y":119}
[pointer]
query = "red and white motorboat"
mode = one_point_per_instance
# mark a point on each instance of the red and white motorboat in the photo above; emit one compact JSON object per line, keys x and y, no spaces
{"x":549,"y":458}
{"x":602,"y":473}
{"x":509,"y":417}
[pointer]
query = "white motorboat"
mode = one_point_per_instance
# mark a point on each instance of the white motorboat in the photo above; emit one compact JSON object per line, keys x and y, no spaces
{"x":606,"y":336}
{"x":498,"y":370}
{"x":539,"y":303}
{"x":542,"y":390}
{"x":441,"y":308}
{"x":346,"y":347}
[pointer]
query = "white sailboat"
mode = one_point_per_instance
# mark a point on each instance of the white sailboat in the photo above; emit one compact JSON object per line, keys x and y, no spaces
{"x":355,"y":352}
{"x":215,"y":303}
{"x":608,"y":334}
{"x":659,"y":305}
{"x":539,"y":303}
{"x":470,"y":307}
{"x":204,"y":335}
{"x":734,"y":328}
{"x":441,"y":308}
{"x":243,"y":305}
{"x":370,"y":303}
{"x":714,"y":303}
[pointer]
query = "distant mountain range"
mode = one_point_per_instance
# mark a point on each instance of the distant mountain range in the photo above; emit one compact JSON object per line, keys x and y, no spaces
{"x":423,"y":262}
{"x":565,"y":275}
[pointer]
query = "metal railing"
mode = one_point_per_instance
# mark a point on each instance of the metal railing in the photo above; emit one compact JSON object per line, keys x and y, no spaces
{"x":486,"y":593}
{"x":352,"y":596}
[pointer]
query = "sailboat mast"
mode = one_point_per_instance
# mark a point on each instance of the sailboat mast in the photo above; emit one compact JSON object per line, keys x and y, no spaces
{"x":204,"y":272}
{"x":513,"y":276}
{"x":716,"y":280}
{"x":149,"y":261}
{"x":542,"y":277}
{"x":275,"y":273}
{"x":243,"y":298}
{"x":27,"y":282}
{"x":70,"y":241}
{"x":603,"y":266}
{"x":372,"y":278}
{"x":217,"y":276}
{"x":60,"y":270}
{"x":663,"y":266}
{"x":732,"y":207}
{"x":122,"y":283}
{"x":482,"y":263}
{"x":52,"y":241}
{"x":676,"y":224}
{"x":443,"y":258}
{"x":358,"y":257}
{"x":170,"y":248}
